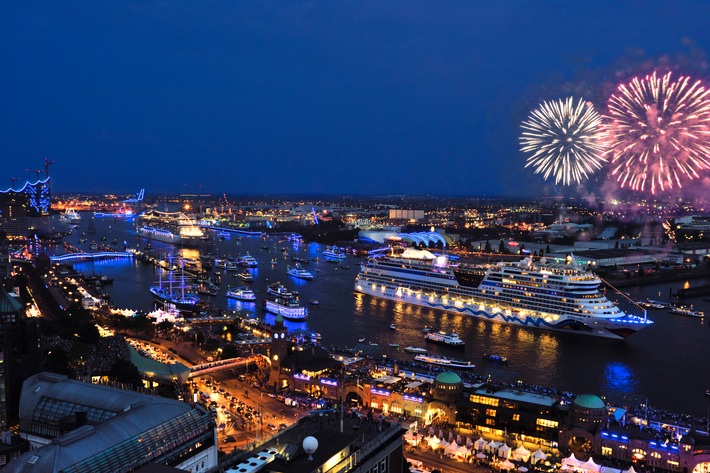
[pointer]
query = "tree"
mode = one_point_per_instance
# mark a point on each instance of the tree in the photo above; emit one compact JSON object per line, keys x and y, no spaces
{"x":501,"y":247}
{"x":488,"y":248}
{"x":123,"y":371}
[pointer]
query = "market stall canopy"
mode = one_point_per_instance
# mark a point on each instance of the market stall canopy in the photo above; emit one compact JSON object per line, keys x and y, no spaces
{"x":507,"y":465}
{"x":571,"y":461}
{"x":504,"y":451}
{"x":521,"y":454}
{"x":589,"y":465}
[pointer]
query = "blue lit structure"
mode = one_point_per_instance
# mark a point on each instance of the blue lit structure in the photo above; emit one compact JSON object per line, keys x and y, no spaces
{"x":25,"y":210}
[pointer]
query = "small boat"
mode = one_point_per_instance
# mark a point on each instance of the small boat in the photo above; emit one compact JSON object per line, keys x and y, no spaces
{"x":231,"y":266}
{"x":495,"y":358}
{"x":208,"y":290}
{"x":445,"y":361}
{"x":394,"y":345}
{"x":373,"y":344}
{"x":393,"y":327}
{"x":274,"y":261}
{"x":707,"y":392}
{"x":248,"y":261}
{"x":361,"y":339}
{"x":245,"y":276}
{"x":681,"y":310}
{"x":344,"y":266}
{"x":411,"y":349}
{"x":426,"y":330}
{"x":313,"y":301}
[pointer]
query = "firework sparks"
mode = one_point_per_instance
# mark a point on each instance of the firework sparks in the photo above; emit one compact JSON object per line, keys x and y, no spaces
{"x":659,"y":132}
{"x":564,"y":140}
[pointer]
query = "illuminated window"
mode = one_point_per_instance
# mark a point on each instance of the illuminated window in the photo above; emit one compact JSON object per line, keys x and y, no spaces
{"x":516,"y":417}
{"x":491,"y":412}
{"x":547,"y":423}
{"x":490,"y":422}
{"x":489,"y":401}
{"x":607,"y":451}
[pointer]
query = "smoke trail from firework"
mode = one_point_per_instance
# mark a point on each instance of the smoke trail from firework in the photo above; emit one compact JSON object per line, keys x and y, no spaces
{"x":659,"y":132}
{"x":563,"y":140}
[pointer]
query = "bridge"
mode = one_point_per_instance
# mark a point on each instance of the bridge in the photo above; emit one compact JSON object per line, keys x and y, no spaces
{"x":209,"y":320}
{"x":213,"y":366}
{"x":74,"y":257}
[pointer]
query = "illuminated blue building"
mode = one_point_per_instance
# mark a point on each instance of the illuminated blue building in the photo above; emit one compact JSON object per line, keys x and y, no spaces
{"x":25,"y":210}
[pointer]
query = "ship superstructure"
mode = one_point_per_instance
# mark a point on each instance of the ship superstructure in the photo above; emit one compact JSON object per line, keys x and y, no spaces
{"x":536,"y":294}
{"x":170,"y":227}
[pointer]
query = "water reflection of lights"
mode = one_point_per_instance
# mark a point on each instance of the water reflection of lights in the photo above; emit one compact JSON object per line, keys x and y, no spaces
{"x":619,"y":377}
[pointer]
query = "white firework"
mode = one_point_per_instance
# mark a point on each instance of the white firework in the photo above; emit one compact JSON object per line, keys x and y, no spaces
{"x":564,"y":140}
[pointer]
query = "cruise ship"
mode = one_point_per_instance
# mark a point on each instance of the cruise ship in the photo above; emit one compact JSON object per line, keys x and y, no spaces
{"x":170,"y":227}
{"x":534,"y":294}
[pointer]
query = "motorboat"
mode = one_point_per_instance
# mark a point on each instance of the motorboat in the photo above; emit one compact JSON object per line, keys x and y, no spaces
{"x":245,"y":276}
{"x":299,"y":272}
{"x":412,"y":349}
{"x":242,"y":293}
{"x":445,"y":361}
{"x":495,"y":358}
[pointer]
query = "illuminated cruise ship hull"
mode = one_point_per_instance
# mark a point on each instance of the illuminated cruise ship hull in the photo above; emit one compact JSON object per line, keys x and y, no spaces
{"x":164,"y":235}
{"x":509,"y":293}
{"x":601,"y":328}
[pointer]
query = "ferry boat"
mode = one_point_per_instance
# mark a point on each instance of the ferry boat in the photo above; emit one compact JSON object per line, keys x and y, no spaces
{"x":279,"y":290}
{"x":241,"y":294}
{"x":681,"y":310}
{"x":444,"y":361}
{"x":288,"y":307}
{"x":169,"y":227}
{"x":245,"y":276}
{"x":412,"y":349}
{"x":299,"y":272}
{"x":248,"y":261}
{"x":449,"y":339}
{"x":535,"y":294}
{"x":495,"y":358}
{"x":334,"y":254}
{"x":70,"y":216}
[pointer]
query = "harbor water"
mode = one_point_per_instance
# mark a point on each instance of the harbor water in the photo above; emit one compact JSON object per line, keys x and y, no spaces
{"x":666,"y":364}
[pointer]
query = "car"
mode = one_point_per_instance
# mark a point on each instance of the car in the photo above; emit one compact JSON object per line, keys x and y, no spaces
{"x":271,"y":427}
{"x":271,"y":395}
{"x":230,"y":438}
{"x":282,"y":426}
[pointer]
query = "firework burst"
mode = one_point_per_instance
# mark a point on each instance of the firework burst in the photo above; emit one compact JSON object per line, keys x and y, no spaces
{"x":564,"y":140}
{"x":658,"y":132}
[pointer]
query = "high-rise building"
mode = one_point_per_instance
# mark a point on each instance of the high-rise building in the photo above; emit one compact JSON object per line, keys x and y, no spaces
{"x":26,"y":209}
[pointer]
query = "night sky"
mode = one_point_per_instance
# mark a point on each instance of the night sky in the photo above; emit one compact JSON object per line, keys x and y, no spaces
{"x":334,"y":97}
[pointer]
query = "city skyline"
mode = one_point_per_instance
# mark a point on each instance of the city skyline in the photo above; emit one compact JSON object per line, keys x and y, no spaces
{"x":313,"y":99}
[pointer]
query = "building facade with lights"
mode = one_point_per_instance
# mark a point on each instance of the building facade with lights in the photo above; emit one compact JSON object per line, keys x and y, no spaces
{"x":25,"y":210}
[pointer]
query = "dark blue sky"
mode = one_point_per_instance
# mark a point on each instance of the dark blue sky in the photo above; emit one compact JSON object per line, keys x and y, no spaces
{"x":309,"y":97}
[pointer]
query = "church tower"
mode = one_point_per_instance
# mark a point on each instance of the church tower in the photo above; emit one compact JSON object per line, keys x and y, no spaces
{"x":279,"y":351}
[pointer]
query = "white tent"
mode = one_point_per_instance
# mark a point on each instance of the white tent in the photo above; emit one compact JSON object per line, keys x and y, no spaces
{"x":492,"y":446}
{"x":504,"y":451}
{"x":507,"y":465}
{"x":538,"y":456}
{"x":434,"y":442}
{"x":589,"y":465}
{"x":630,"y":470}
{"x":462,"y":452}
{"x":451,"y":448}
{"x":571,"y":461}
{"x":521,"y":454}
{"x":479,"y":444}
{"x":443,"y":443}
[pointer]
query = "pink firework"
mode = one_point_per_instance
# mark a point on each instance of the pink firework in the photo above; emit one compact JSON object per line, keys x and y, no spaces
{"x":659,"y":132}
